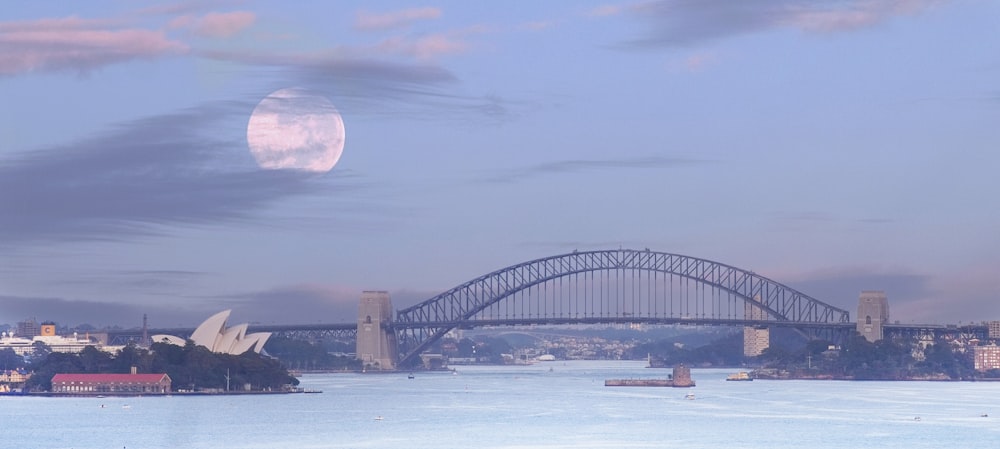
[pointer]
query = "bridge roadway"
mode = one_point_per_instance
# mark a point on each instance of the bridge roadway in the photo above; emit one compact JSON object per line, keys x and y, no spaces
{"x":348,"y":330}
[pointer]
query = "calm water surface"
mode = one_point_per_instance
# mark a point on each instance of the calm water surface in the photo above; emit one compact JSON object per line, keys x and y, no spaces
{"x":547,"y":405}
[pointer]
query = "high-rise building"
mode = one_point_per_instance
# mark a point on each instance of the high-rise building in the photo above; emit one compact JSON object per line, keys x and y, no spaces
{"x":873,"y":312}
{"x":986,"y":357}
{"x":28,"y":328}
{"x":376,"y":344}
{"x":993,"y":328}
{"x":755,"y":338}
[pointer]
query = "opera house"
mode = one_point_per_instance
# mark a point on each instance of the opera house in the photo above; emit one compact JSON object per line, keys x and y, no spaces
{"x":214,"y":335}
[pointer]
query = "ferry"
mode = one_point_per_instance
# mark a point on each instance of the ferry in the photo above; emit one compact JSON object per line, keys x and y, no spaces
{"x":741,"y":376}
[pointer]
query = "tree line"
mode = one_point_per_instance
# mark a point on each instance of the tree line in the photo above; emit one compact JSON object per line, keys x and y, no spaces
{"x":857,"y":358}
{"x":190,"y":367}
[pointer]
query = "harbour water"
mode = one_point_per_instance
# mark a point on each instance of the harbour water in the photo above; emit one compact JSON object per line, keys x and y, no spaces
{"x":545,"y":405}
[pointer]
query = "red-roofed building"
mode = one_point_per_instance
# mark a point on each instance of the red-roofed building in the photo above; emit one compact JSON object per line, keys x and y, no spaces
{"x":111,"y":383}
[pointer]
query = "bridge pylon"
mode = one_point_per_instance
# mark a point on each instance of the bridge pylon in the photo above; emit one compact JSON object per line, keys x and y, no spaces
{"x":376,"y":341}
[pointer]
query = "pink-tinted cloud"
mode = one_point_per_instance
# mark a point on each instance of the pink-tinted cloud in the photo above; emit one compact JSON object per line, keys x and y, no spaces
{"x":426,"y":47}
{"x":223,"y":24}
{"x":538,"y":25}
{"x":697,"y":62}
{"x":77,"y":44}
{"x":394,"y":19}
{"x":605,"y":10}
{"x":852,"y":15}
{"x":184,"y":21}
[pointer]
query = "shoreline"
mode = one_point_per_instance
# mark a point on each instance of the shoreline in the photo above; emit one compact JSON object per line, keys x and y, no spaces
{"x":48,"y":394}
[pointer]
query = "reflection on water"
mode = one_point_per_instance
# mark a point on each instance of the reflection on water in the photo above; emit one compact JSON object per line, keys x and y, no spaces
{"x":547,"y":405}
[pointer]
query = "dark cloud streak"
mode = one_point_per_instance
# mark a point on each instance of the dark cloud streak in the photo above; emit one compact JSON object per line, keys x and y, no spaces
{"x":376,"y":88}
{"x":136,"y":179}
{"x":582,"y":165}
{"x":681,"y":23}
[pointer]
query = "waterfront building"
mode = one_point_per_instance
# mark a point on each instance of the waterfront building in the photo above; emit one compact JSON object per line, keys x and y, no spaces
{"x":13,"y":380}
{"x":26,"y":346}
{"x":986,"y":358}
{"x":214,"y":335}
{"x":755,"y":338}
{"x":92,"y":384}
{"x":873,"y":313}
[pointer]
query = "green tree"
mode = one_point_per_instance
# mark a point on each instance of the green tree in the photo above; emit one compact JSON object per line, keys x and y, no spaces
{"x":94,"y":360}
{"x":10,"y":360}
{"x":941,"y":358}
{"x":54,"y":363}
{"x":39,"y":350}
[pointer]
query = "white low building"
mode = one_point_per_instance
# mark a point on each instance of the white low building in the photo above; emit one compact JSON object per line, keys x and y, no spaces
{"x":26,"y":346}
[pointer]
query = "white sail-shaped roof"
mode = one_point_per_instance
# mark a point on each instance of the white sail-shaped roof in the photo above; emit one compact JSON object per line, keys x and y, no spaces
{"x":209,"y":332}
{"x":160,"y":338}
{"x":229,"y":339}
{"x":213,"y":335}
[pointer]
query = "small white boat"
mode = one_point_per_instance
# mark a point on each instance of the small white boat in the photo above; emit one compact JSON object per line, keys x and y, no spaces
{"x":689,"y":396}
{"x":378,"y":418}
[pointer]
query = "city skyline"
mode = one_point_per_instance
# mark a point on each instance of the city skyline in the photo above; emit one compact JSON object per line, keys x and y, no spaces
{"x":832,"y":147}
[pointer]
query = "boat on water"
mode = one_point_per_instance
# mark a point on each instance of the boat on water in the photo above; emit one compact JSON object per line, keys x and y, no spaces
{"x":689,"y":396}
{"x":741,"y":376}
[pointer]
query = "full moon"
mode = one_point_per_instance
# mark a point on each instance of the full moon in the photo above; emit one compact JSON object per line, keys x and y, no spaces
{"x":293,"y":129}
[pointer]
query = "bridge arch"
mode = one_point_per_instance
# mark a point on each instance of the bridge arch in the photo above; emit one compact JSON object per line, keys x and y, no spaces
{"x":609,"y":286}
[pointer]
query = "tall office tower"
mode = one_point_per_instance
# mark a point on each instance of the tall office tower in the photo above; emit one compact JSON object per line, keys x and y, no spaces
{"x":873,"y":312}
{"x":376,"y":342}
{"x":28,"y":328}
{"x":993,"y":329}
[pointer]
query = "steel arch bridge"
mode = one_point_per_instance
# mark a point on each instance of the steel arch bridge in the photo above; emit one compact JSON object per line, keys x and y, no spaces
{"x":611,"y":286}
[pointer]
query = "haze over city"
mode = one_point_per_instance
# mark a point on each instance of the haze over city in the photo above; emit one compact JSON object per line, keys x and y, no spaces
{"x":832,"y":146}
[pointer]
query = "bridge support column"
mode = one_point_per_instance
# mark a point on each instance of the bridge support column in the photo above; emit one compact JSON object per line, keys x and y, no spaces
{"x":376,"y":341}
{"x":873,"y":312}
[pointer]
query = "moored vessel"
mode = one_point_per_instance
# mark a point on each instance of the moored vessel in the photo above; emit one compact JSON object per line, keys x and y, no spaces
{"x":741,"y":376}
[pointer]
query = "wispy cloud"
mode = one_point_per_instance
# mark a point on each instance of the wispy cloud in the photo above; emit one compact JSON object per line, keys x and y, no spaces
{"x":139,"y":179}
{"x":369,"y":21}
{"x":576,"y":166}
{"x":76,"y":44}
{"x":222,"y":25}
{"x":687,"y":22}
{"x":538,"y":25}
{"x":423,"y":47}
{"x":606,"y":10}
{"x":374,"y":87}
{"x":697,"y":62}
{"x":147,"y":282}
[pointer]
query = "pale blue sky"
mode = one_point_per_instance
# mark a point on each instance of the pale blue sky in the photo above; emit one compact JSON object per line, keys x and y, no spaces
{"x":834,"y":146}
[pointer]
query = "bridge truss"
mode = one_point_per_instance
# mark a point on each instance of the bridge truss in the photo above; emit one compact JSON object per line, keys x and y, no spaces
{"x":612,"y":286}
